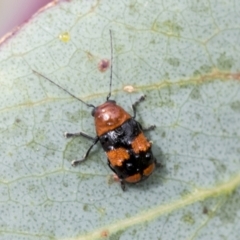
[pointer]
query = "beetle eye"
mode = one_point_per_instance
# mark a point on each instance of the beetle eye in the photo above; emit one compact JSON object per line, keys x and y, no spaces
{"x":105,"y":138}
{"x":93,"y":111}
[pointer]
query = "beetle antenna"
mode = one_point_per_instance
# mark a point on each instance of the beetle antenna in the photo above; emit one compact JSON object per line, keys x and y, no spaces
{"x":89,"y":105}
{"x":110,"y":84}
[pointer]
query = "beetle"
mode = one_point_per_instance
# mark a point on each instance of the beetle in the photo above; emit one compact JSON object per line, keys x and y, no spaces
{"x":122,"y":137}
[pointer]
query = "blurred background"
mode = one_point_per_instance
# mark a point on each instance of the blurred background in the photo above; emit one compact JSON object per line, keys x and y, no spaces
{"x":15,"y":12}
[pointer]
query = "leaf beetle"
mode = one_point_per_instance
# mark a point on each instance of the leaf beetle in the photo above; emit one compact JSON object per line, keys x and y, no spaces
{"x":121,"y":136}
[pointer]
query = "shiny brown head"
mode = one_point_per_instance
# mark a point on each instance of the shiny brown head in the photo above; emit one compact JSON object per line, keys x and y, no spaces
{"x":109,"y":116}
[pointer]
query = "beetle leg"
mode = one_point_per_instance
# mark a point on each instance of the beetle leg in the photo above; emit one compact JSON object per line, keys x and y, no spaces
{"x":158,"y":164}
{"x":76,"y":162}
{"x":142,"y":98}
{"x":150,"y":128}
{"x":112,"y":168}
{"x":122,"y":183}
{"x":68,"y":135}
{"x":123,"y":186}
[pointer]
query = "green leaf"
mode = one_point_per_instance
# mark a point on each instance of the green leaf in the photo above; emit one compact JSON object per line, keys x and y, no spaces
{"x":185,"y":57}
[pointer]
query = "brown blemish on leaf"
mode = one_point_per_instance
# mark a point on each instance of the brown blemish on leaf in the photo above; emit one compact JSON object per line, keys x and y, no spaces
{"x":103,"y":65}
